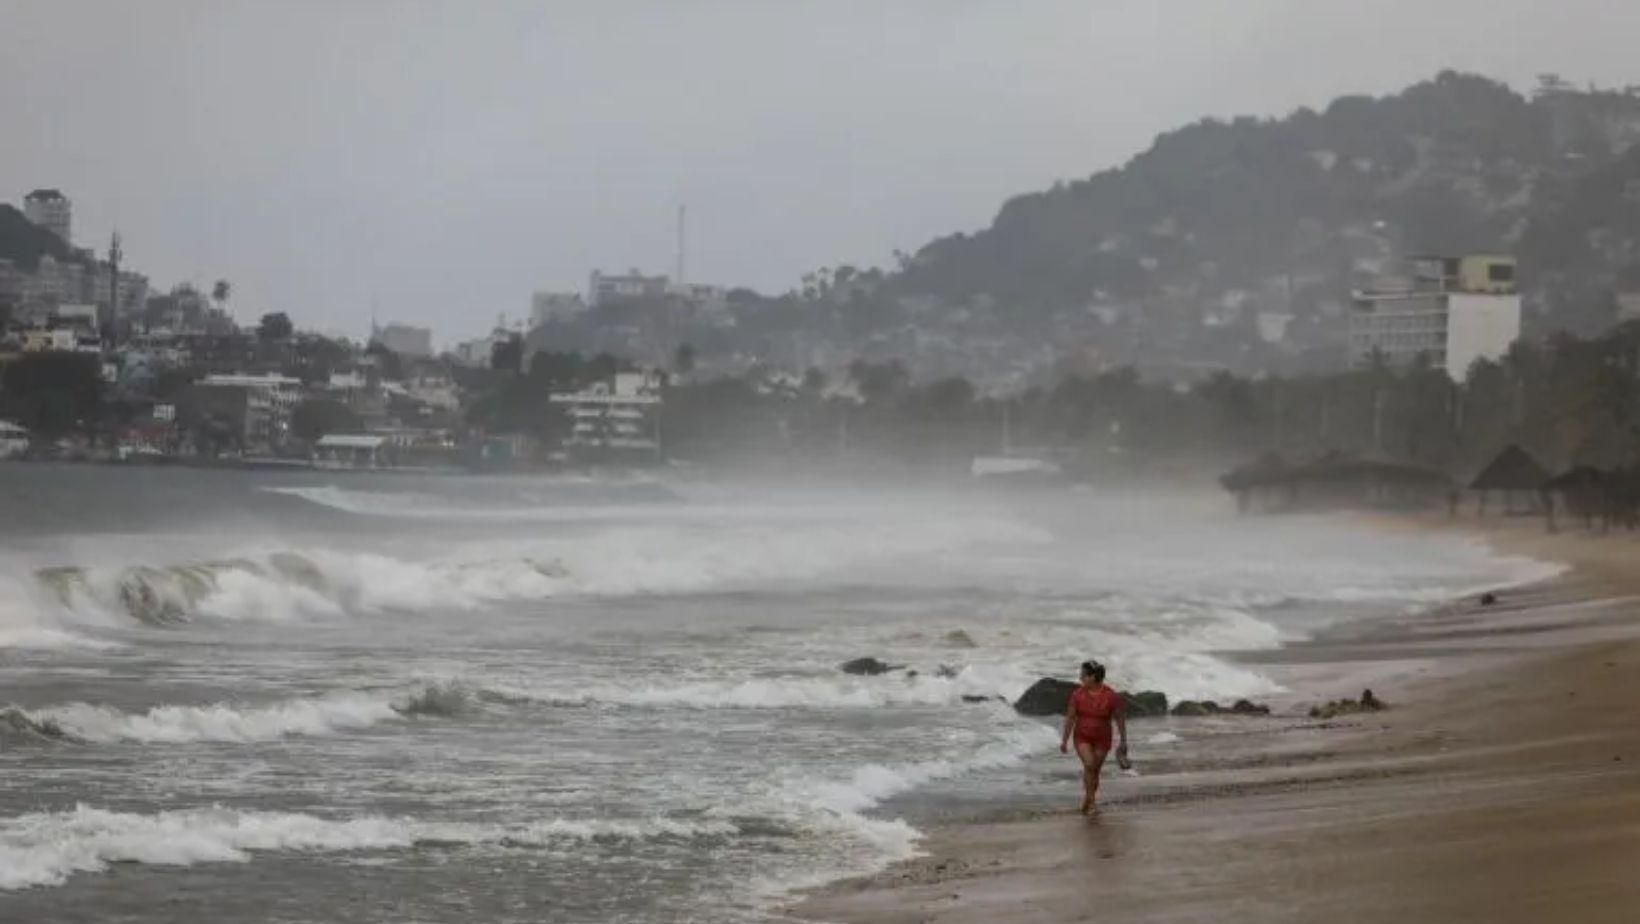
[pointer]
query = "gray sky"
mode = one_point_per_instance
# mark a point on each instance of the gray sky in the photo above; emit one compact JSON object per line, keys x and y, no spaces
{"x":441,"y":160}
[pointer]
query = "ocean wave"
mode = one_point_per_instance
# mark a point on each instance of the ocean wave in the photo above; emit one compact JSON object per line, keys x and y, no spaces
{"x":26,"y":621}
{"x":560,"y":498}
{"x":319,"y":583}
{"x":842,"y":692}
{"x":842,"y":809}
{"x":46,"y":849}
{"x":230,"y":723}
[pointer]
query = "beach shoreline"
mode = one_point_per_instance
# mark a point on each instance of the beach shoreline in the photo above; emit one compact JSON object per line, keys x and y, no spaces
{"x":1503,"y":785}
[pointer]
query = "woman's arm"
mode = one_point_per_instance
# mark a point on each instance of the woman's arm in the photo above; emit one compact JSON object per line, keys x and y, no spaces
{"x":1070,"y":723}
{"x":1120,"y":715}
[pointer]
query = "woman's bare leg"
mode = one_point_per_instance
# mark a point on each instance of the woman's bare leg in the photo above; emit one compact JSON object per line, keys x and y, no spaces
{"x":1092,"y":762}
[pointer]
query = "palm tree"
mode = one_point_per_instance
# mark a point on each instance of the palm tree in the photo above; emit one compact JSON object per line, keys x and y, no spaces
{"x":220,"y":293}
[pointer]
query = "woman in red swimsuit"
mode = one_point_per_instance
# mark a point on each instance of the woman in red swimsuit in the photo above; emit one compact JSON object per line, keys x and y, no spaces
{"x":1093,"y":707}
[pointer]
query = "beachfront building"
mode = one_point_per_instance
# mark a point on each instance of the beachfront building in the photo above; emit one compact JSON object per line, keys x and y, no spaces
{"x":252,"y":411}
{"x":1451,"y":311}
{"x":350,"y":451}
{"x":615,"y":421}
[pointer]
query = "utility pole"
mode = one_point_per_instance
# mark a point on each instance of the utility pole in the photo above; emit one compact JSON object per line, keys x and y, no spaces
{"x":683,"y":241}
{"x":114,"y":255}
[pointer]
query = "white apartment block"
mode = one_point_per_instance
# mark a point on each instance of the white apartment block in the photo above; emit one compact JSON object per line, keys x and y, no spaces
{"x":1451,"y":311}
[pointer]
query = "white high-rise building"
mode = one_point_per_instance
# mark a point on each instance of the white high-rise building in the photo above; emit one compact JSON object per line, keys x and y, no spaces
{"x":1452,"y":311}
{"x":51,"y":210}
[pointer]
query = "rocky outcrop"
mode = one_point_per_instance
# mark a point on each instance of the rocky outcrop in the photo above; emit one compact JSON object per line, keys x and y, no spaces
{"x":1049,"y":696}
{"x":957,"y":638}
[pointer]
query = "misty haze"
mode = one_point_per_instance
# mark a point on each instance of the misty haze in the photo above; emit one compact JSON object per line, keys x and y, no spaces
{"x":738,"y":461}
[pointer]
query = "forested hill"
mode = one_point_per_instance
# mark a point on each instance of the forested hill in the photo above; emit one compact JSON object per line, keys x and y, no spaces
{"x":1235,"y":243}
{"x":24,"y":243}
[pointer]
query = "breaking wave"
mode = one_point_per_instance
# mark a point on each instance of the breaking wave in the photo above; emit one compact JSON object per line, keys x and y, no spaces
{"x":45,"y":849}
{"x":320,"y":583}
{"x":229,"y":723}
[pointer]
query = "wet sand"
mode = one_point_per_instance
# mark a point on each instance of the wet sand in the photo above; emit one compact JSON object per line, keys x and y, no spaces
{"x":1503,"y":785}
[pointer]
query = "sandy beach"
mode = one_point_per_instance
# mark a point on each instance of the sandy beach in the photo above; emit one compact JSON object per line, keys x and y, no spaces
{"x":1503,"y":784}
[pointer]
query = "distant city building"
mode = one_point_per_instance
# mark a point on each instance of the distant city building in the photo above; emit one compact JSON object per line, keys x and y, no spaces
{"x":51,"y":210}
{"x":405,"y":339}
{"x":632,"y":285}
{"x":546,"y":307}
{"x":85,"y":315}
{"x":700,"y":296}
{"x":61,"y":339}
{"x":474,"y":354}
{"x":1451,"y":311}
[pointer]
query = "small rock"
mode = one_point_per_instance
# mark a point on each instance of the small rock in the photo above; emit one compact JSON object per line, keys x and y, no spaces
{"x":1489,"y":599}
{"x":869,"y":667}
{"x":957,"y":638}
{"x":974,"y":698}
{"x":1248,"y":707}
{"x":1189,"y":708}
{"x":946,"y":671}
{"x":1338,"y":707}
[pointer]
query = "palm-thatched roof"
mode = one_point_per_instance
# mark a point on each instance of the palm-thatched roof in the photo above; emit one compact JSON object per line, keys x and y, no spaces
{"x":1583,"y":477}
{"x":1267,"y":469}
{"x":1514,"y":469}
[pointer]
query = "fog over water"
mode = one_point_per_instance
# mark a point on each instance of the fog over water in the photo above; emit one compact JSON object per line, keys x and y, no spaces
{"x":268,"y":697}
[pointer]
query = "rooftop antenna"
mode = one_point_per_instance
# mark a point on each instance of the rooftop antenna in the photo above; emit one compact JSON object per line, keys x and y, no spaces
{"x":683,"y":240}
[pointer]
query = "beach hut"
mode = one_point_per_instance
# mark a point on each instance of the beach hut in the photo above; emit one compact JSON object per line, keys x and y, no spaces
{"x":1581,"y":490}
{"x":1517,"y":475}
{"x":1261,"y":475}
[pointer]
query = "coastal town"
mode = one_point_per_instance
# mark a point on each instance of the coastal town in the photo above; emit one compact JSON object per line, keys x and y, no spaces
{"x":103,"y":366}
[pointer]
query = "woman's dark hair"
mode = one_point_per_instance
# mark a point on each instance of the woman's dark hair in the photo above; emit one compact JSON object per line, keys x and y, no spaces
{"x":1094,"y":669}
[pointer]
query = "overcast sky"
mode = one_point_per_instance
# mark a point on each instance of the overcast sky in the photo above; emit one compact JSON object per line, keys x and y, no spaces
{"x":438,"y":161}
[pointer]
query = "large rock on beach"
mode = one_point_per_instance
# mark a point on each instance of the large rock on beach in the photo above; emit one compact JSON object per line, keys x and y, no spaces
{"x":1047,"y":696}
{"x":868,"y":667}
{"x":1145,"y":704}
